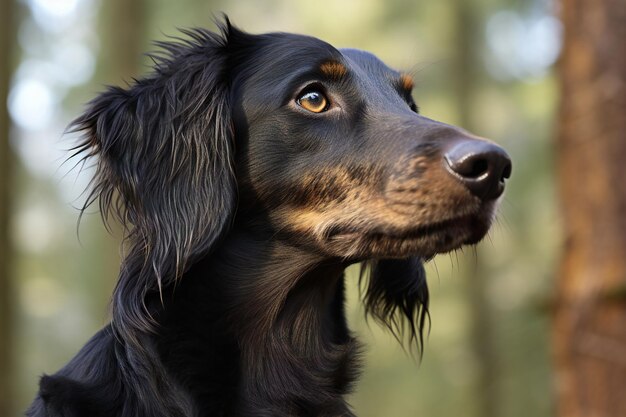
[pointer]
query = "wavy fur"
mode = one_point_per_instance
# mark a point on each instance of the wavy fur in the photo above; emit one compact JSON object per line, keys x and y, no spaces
{"x":241,"y":210}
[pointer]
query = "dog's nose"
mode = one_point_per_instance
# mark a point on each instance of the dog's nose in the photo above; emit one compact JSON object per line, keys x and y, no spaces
{"x":481,"y":166}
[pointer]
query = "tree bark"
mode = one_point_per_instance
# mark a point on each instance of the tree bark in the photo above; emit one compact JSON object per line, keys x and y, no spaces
{"x":467,"y":66}
{"x":589,"y":329}
{"x":6,"y":293}
{"x":123,"y":28}
{"x":124,"y":40}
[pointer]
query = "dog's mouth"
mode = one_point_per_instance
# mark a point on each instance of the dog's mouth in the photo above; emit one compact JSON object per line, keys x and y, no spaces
{"x":426,"y":240}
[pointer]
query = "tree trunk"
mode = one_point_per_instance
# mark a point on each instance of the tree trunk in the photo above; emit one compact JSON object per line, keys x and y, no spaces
{"x":123,"y":34}
{"x":6,"y":316}
{"x":589,"y":330}
{"x":123,"y":29}
{"x":481,"y":335}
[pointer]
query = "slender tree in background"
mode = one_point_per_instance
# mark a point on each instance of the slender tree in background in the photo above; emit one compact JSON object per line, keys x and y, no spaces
{"x":467,"y":24}
{"x":6,"y":383}
{"x":123,"y":28}
{"x":6,"y":316}
{"x":589,"y":332}
{"x":123,"y":35}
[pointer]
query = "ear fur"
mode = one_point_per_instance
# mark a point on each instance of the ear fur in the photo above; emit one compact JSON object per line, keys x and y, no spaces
{"x":397,"y":297}
{"x":164,"y":149}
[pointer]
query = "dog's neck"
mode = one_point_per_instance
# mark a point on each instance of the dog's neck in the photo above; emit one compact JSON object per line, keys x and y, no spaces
{"x":290,"y":348}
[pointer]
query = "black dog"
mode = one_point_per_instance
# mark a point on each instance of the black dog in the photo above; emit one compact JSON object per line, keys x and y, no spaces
{"x":249,"y":172}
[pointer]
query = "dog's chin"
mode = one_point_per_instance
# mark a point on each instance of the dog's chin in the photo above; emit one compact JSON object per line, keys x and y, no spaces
{"x":424,"y":241}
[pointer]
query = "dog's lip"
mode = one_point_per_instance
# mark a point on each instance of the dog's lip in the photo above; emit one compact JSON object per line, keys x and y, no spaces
{"x":424,"y":240}
{"x":465,"y":222}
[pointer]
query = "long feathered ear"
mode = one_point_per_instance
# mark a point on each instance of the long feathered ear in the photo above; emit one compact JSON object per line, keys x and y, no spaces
{"x":396,"y":295}
{"x":164,"y":149}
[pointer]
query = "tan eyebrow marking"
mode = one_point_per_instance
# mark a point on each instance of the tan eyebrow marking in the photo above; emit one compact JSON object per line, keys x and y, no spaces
{"x":333,"y":69}
{"x":406,"y":81}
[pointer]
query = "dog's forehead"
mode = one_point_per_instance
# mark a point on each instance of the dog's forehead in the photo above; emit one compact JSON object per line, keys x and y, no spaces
{"x":289,"y":51}
{"x":278,"y":59}
{"x":280,"y":56}
{"x":367,"y":62}
{"x":282,"y":62}
{"x":292,"y":52}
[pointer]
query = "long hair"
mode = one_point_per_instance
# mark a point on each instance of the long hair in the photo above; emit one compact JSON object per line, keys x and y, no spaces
{"x":164,"y":170}
{"x":396,"y":296}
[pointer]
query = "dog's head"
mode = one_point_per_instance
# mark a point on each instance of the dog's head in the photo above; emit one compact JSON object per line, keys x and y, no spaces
{"x":320,"y":147}
{"x":336,"y":155}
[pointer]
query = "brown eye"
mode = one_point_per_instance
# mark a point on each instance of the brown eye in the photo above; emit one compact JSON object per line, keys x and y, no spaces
{"x":313,"y":101}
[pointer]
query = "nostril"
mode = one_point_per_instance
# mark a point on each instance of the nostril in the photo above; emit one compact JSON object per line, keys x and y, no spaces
{"x":470,"y":167}
{"x":506,"y":172}
{"x":481,"y":166}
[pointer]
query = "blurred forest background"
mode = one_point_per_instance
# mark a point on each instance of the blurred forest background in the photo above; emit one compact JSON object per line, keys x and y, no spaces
{"x":486,"y":65}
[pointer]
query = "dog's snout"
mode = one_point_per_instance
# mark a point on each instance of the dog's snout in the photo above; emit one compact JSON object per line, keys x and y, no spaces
{"x":481,"y":166}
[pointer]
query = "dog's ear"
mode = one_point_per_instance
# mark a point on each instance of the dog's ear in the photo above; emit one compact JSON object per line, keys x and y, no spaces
{"x":164,"y":151}
{"x":396,"y":295}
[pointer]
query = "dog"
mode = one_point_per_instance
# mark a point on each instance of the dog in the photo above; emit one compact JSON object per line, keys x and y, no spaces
{"x":248,"y":172}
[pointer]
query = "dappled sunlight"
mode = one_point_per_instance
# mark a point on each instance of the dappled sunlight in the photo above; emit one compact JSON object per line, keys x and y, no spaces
{"x":36,"y":221}
{"x":42,"y":297}
{"x":32,"y":104}
{"x":522,"y":47}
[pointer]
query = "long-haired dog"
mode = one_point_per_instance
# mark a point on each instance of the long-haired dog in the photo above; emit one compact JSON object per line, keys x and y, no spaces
{"x":249,"y":171}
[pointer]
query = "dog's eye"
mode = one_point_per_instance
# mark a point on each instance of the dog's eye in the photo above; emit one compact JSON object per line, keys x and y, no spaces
{"x":313,"y":101}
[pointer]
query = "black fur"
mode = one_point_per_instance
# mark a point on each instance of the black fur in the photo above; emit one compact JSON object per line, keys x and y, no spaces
{"x":242,"y":209}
